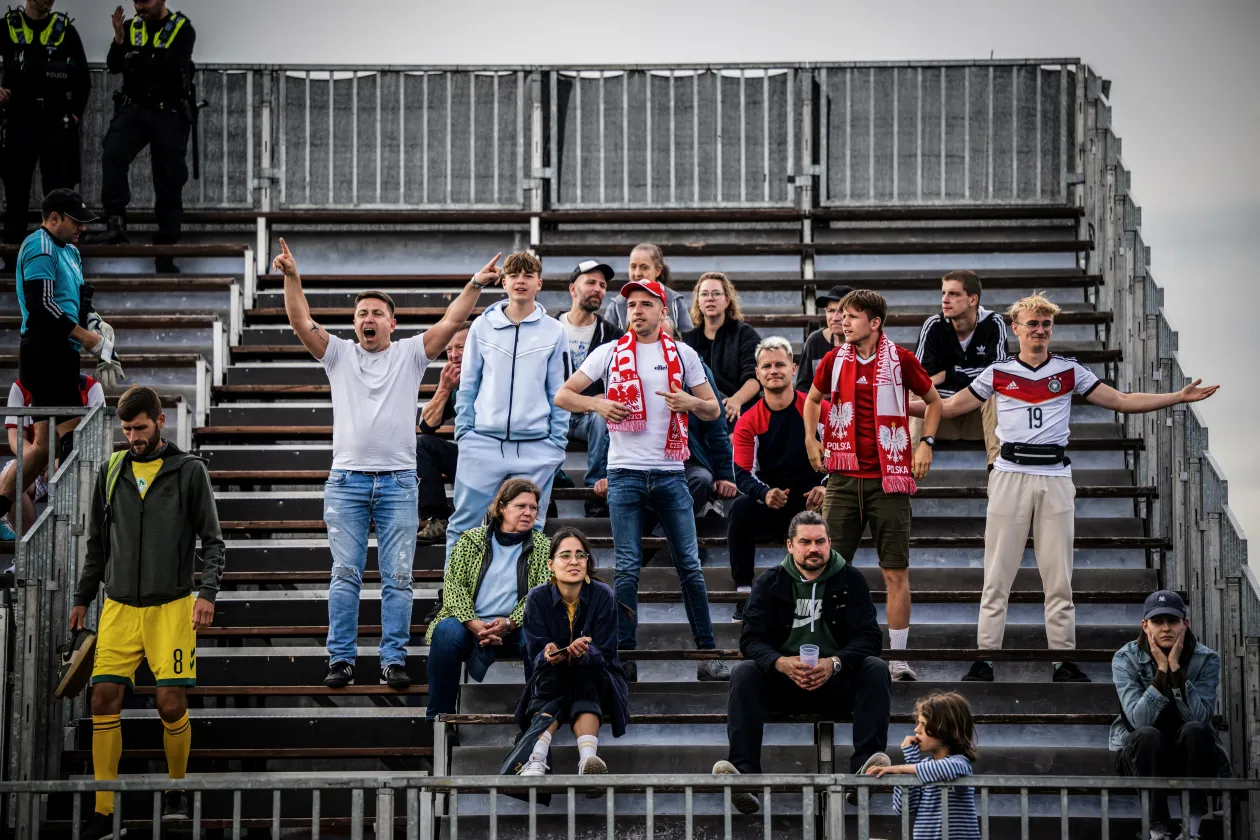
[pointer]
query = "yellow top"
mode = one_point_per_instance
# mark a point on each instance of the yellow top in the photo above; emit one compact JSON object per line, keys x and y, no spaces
{"x":571,"y":608}
{"x":144,"y":471}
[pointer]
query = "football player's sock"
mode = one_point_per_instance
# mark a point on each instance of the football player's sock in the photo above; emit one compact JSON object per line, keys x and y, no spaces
{"x":177,"y":741}
{"x":106,"y":751}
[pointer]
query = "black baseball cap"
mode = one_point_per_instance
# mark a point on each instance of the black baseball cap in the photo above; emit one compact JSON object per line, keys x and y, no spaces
{"x":835,"y":293}
{"x":1164,"y":602}
{"x":68,"y":203}
{"x":592,"y":265}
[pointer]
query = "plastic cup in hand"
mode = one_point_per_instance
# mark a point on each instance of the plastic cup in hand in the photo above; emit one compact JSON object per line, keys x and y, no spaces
{"x":809,"y":655}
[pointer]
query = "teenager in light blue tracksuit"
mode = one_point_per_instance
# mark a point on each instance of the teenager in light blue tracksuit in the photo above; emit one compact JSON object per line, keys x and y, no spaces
{"x":506,"y":420}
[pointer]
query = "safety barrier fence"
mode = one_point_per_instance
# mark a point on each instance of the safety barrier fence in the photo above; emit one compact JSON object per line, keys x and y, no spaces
{"x":1205,"y":553}
{"x":45,"y":565}
{"x":805,"y":806}
{"x":680,"y":136}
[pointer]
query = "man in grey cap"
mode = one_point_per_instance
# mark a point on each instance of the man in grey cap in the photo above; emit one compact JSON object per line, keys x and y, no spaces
{"x":58,"y":321}
{"x":586,"y":330}
{"x":821,"y":342}
{"x":1167,"y":683}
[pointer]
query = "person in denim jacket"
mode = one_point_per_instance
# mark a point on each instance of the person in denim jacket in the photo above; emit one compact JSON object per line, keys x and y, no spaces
{"x":1167,"y":683}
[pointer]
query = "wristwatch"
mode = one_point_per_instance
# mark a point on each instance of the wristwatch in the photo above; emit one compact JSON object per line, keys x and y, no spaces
{"x":929,"y":440}
{"x":835,"y":665}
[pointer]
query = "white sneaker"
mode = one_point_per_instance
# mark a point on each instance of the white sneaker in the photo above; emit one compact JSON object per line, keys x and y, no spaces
{"x":902,"y":671}
{"x":593,"y":766}
{"x":741,"y":800}
{"x":534,"y":767}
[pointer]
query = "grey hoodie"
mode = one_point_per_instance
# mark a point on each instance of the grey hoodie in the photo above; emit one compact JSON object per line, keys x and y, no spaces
{"x":152,"y":541}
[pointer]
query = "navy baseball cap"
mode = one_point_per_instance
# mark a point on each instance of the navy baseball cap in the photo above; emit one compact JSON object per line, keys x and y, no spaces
{"x":68,"y":203}
{"x":835,"y":293}
{"x":1164,"y":602}
{"x":592,"y":265}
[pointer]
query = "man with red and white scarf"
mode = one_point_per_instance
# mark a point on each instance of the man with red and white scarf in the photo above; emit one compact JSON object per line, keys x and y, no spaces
{"x":646,"y":407}
{"x":866,"y":449}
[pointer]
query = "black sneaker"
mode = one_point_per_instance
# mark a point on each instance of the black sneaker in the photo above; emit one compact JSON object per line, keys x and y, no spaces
{"x":98,"y":827}
{"x":340,"y":675}
{"x":432,"y":614}
{"x":396,"y":677}
{"x":74,"y":663}
{"x":738,"y":615}
{"x":1068,"y":672}
{"x":115,"y":233}
{"x":165,"y":265}
{"x":175,"y":806}
{"x":631,"y":670}
{"x":981,"y":671}
{"x":596,"y":509}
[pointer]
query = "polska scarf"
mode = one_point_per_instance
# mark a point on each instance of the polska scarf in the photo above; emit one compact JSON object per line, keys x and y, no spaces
{"x":892,"y":427}
{"x":625,"y":387}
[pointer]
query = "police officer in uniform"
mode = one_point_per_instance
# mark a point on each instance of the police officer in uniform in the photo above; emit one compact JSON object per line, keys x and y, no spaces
{"x":153,"y":52}
{"x":43,"y":93}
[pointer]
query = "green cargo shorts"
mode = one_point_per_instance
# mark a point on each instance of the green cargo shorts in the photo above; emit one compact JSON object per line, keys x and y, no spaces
{"x":850,"y":503}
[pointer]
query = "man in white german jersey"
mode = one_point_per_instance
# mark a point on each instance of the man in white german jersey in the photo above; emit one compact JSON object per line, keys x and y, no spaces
{"x":1031,"y":483}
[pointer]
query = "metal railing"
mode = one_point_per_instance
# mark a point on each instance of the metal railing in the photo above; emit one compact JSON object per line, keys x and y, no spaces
{"x":1206,"y":553}
{"x":45,"y":565}
{"x":806,"y":806}
{"x":682,"y":136}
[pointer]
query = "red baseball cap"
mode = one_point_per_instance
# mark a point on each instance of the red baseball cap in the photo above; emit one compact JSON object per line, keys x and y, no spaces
{"x":652,"y":287}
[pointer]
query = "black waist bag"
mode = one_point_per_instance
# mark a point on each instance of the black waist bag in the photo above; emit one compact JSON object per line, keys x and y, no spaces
{"x":1035,"y":454}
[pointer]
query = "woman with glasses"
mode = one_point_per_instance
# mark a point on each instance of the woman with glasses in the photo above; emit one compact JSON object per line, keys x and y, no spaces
{"x":727,"y":344}
{"x":571,"y":642}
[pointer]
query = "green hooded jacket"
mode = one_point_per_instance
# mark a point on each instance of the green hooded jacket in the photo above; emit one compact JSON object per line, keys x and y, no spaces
{"x":808,"y":627}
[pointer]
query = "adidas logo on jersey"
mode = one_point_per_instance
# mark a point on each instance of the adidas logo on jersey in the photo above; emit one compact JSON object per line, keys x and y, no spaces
{"x":1013,"y":386}
{"x":862,"y":381}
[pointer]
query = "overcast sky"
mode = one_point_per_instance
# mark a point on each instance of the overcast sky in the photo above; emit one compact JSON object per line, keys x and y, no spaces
{"x":1183,"y":96}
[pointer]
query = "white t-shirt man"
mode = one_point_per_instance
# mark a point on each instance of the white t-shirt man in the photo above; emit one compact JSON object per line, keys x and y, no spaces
{"x":374,"y":397}
{"x":645,"y":450}
{"x":1034,"y":404}
{"x":579,"y":339}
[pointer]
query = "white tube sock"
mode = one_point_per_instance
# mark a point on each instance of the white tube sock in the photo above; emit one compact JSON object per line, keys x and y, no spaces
{"x":897,"y":638}
{"x":1195,"y":819}
{"x":587,"y":744}
{"x":542,"y":747}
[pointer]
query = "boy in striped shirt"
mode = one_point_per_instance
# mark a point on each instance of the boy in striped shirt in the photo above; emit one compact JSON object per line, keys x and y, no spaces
{"x":942,"y":748}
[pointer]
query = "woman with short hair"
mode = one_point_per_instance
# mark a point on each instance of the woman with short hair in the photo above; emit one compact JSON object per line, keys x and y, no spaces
{"x":491,"y":571}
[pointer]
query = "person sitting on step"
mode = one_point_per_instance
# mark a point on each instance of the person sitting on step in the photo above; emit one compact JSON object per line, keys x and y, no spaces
{"x":1167,"y":681}
{"x":490,"y":572}
{"x":772,"y":468}
{"x":571,"y":640}
{"x":437,"y":458}
{"x":821,"y":342}
{"x":811,"y":645}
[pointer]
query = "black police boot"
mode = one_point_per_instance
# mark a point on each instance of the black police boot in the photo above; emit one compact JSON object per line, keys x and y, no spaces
{"x":115,"y":233}
{"x":165,"y":265}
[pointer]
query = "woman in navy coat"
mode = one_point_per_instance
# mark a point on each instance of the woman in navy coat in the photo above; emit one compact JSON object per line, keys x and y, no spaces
{"x":571,"y":639}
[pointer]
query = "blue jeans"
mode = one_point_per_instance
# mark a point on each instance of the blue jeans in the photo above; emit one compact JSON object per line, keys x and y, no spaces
{"x":629,"y":494}
{"x":593,"y":429}
{"x":452,"y":645}
{"x":352,"y":501}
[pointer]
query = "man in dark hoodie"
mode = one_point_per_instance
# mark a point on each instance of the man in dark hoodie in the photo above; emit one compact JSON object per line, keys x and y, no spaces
{"x":150,"y":505}
{"x":1167,"y":682}
{"x":815,"y":597}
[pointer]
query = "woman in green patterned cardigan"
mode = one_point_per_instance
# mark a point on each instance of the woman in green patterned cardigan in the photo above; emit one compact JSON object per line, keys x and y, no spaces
{"x":491,"y":571}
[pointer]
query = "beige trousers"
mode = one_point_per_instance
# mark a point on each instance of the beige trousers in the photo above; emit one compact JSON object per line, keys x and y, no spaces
{"x":1048,"y":504}
{"x":980,"y":424}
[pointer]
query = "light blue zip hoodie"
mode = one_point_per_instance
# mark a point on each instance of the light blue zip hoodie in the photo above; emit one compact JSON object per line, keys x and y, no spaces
{"x":509,"y":378}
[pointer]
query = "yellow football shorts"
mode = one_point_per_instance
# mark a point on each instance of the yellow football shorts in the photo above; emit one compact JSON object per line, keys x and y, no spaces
{"x":163,"y":635}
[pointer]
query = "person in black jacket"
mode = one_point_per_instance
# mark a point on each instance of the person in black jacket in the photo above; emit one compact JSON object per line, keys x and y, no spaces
{"x":153,"y":52}
{"x":725,"y":343}
{"x":955,"y":346}
{"x":437,"y":458}
{"x":815,"y":597}
{"x":821,"y":342}
{"x":44,"y":91}
{"x":588,"y":284}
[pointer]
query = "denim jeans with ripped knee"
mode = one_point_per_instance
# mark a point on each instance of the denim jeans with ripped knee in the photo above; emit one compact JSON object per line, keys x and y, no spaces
{"x":352,"y":502}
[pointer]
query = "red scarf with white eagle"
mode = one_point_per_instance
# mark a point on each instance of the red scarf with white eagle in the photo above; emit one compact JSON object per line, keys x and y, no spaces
{"x":625,"y":387}
{"x":892,"y":426}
